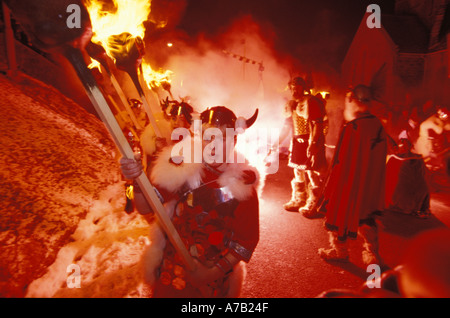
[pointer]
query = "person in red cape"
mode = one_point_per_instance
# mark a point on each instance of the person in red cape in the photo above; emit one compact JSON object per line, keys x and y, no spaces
{"x":213,"y":205}
{"x":355,"y":187}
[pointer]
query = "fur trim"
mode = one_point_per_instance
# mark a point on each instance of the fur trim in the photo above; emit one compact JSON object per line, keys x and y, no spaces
{"x":153,"y":255}
{"x":171,"y":176}
{"x":233,"y":179}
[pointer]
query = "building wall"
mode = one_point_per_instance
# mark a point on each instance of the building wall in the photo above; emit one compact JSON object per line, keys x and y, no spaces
{"x":436,"y":85}
{"x":409,"y":77}
{"x":369,"y":51}
{"x":410,"y":68}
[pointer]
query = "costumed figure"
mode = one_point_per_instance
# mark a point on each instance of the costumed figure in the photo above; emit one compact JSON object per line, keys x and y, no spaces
{"x":306,"y":116}
{"x":410,"y":128}
{"x":213,"y":204}
{"x":433,"y":142}
{"x":175,"y":115}
{"x":354,"y":189}
{"x":406,"y":187}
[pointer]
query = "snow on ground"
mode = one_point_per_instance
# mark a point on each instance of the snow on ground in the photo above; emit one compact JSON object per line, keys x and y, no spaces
{"x":62,"y":200}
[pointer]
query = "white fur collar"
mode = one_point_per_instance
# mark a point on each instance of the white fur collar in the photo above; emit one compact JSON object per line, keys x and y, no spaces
{"x":171,"y":177}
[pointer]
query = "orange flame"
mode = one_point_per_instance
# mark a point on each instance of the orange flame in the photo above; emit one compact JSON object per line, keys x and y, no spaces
{"x":155,"y":78}
{"x":120,"y":17}
{"x":94,"y":64}
{"x":116,"y":17}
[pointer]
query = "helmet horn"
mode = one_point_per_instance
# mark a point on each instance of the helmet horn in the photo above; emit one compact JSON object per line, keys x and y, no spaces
{"x":249,"y":122}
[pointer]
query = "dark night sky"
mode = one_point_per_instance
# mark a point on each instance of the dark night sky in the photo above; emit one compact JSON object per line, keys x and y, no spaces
{"x":324,"y":27}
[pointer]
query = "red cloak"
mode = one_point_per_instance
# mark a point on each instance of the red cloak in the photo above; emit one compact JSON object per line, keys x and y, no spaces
{"x":356,"y":183}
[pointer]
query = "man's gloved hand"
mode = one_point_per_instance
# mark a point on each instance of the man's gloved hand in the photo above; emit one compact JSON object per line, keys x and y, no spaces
{"x":131,"y":168}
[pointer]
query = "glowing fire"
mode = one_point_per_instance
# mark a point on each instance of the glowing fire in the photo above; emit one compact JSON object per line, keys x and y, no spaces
{"x":117,"y":17}
{"x":154,"y":78}
{"x":94,"y":64}
{"x":118,"y":25}
{"x":325,"y":95}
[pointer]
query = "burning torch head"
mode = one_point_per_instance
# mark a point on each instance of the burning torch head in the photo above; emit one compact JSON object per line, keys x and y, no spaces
{"x":126,"y":50}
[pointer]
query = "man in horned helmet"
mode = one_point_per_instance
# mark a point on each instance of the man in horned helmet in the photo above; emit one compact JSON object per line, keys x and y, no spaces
{"x":213,"y":205}
{"x":307,"y":117}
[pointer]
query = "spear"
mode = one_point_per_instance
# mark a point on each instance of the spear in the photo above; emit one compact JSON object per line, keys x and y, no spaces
{"x":52,"y":34}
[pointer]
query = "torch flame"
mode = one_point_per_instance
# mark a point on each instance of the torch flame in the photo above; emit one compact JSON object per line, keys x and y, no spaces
{"x":155,"y":78}
{"x":117,"y":25}
{"x":116,"y":17}
{"x":94,"y":64}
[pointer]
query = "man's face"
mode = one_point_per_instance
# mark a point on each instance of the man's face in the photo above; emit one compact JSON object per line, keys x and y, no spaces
{"x":297,"y":91}
{"x":217,"y":145}
{"x":179,"y":122}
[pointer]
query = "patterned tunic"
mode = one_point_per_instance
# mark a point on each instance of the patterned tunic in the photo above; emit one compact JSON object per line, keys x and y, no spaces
{"x":211,"y":223}
{"x":303,"y":114}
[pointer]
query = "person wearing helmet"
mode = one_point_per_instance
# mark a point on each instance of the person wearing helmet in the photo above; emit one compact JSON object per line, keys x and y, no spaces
{"x":174,"y":115}
{"x":306,"y":115}
{"x":355,"y":188}
{"x":214,"y":206}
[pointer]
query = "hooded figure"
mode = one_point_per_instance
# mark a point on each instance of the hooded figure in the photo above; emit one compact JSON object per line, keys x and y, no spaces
{"x":213,"y":205}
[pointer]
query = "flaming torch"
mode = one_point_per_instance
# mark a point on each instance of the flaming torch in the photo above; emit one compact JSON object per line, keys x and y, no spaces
{"x":99,"y":59}
{"x":119,"y":30}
